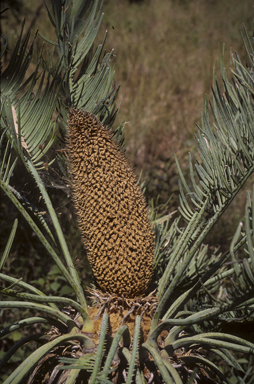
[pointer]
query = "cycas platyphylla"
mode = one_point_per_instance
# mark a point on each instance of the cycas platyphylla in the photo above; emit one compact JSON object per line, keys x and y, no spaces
{"x":111,"y":209}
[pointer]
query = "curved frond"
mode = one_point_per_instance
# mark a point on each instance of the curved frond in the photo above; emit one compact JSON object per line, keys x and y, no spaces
{"x":35,"y":357}
{"x":195,"y":301}
{"x":28,"y":123}
{"x":226,"y":161}
{"x":8,"y":246}
{"x":100,"y":348}
{"x":87,"y":76}
{"x":12,"y":77}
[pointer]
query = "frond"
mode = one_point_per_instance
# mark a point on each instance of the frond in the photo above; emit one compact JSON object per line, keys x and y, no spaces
{"x":8,"y":245}
{"x":7,"y":167}
{"x":28,"y":122}
{"x":88,"y":77}
{"x":196,"y":320}
{"x":195,"y":303}
{"x":85,"y":362}
{"x":13,"y":76}
{"x":37,"y":355}
{"x":226,"y":161}
{"x":23,"y":205}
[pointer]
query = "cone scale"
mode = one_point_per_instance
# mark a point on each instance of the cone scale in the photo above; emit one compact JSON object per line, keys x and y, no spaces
{"x":110,"y":207}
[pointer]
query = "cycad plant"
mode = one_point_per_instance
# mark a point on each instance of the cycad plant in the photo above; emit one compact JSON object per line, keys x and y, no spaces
{"x":162,"y":301}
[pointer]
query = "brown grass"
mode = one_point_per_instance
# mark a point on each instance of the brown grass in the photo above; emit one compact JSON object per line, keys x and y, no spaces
{"x":165,"y":54}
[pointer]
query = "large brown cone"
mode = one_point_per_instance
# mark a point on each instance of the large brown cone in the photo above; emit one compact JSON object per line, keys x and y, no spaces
{"x":110,"y":207}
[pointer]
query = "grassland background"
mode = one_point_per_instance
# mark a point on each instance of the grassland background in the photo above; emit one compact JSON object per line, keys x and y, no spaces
{"x":165,"y":52}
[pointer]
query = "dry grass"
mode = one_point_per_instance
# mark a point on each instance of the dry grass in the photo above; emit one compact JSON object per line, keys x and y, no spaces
{"x":165,"y":54}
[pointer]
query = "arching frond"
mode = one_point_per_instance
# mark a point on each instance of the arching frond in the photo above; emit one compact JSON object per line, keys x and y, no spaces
{"x":195,"y":304}
{"x":226,"y":161}
{"x":13,"y":76}
{"x":8,"y":245}
{"x":7,"y":167}
{"x":88,"y":78}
